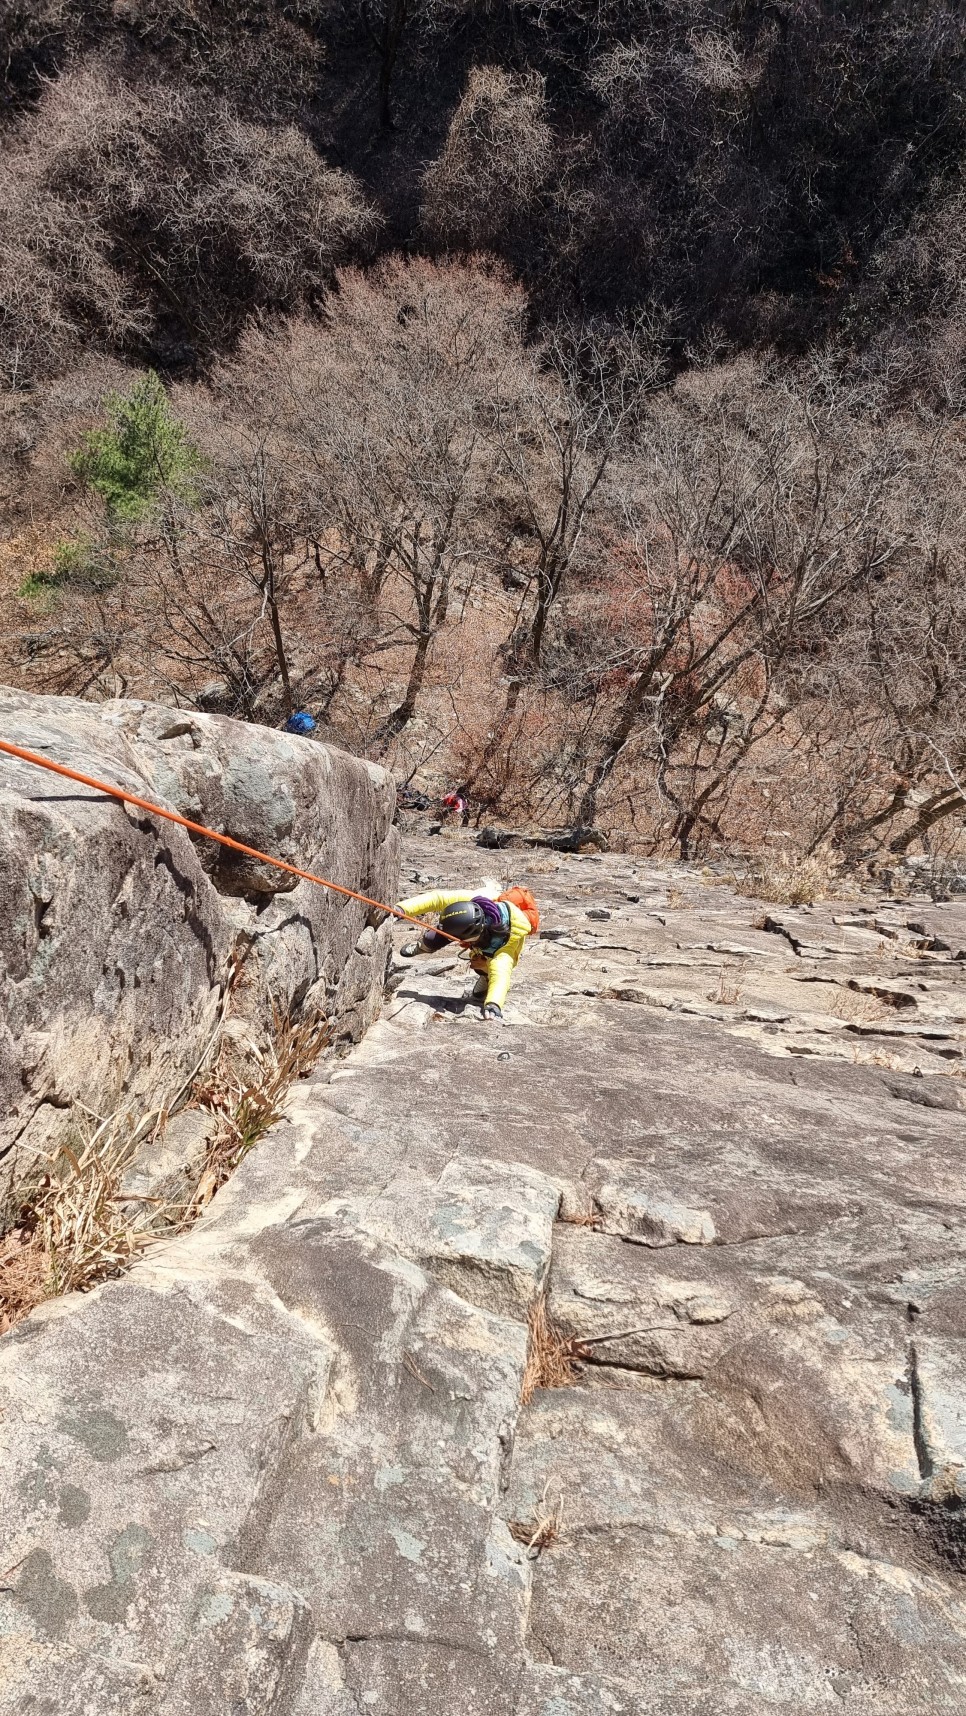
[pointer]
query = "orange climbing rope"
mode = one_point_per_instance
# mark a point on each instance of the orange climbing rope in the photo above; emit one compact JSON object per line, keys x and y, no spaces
{"x":126,"y":797}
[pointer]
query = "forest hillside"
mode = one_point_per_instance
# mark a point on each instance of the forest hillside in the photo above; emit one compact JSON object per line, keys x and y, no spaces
{"x":561,"y":400}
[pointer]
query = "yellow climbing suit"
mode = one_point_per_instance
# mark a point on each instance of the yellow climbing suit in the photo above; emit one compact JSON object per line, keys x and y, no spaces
{"x":499,"y":967}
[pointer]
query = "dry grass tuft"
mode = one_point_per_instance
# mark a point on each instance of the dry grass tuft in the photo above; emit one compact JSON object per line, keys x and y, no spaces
{"x":87,"y":1233}
{"x":730,"y":989}
{"x":907,"y":951}
{"x":247,"y":1107}
{"x":854,"y":1007}
{"x":23,"y":1275}
{"x":552,"y":1357}
{"x":544,"y":1527}
{"x":76,"y":1228}
{"x":790,"y":879}
{"x":79,"y":1227}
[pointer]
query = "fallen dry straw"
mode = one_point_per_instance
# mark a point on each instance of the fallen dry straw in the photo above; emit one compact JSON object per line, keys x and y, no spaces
{"x":76,"y":1227}
{"x":552,"y":1357}
{"x":79,"y":1226}
{"x":247,"y":1106}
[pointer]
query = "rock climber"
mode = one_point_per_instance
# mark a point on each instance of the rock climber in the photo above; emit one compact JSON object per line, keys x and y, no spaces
{"x":493,"y":926}
{"x":454,"y":807}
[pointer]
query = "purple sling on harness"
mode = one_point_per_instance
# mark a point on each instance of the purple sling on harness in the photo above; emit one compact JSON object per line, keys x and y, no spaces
{"x":497,"y":932}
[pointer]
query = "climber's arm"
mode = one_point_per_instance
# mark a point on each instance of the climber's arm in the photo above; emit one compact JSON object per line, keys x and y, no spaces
{"x":501,"y":971}
{"x":420,"y":904}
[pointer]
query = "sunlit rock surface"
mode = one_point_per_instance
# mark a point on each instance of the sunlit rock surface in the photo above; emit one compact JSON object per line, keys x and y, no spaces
{"x":283,"y":1466}
{"x":121,"y":934}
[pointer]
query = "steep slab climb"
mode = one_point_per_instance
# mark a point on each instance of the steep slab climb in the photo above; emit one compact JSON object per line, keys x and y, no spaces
{"x":294,"y":1464}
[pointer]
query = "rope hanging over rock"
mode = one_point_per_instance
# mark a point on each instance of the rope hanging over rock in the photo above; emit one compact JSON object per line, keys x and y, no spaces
{"x":125,"y":797}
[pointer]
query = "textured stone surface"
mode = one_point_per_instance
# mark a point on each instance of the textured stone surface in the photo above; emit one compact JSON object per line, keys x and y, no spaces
{"x":283,"y":1465}
{"x":119,"y":933}
{"x":485,"y":1231}
{"x":773,"y":1627}
{"x":44,"y":1680}
{"x":247,"y":1639}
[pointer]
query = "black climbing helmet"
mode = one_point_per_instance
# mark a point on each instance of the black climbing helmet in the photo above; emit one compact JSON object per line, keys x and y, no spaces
{"x":466,"y":920}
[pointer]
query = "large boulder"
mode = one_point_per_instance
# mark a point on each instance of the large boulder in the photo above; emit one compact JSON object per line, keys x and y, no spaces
{"x":126,"y":943}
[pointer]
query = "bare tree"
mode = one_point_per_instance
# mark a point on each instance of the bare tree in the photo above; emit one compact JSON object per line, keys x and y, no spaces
{"x":750,"y":513}
{"x":497,"y":155}
{"x":908,"y":637}
{"x":121,"y":207}
{"x":558,"y":436}
{"x":392,"y":404}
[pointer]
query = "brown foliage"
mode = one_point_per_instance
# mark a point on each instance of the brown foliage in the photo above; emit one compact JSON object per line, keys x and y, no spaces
{"x":497,"y":155}
{"x":776,"y":173}
{"x":79,"y":1225}
{"x":386,"y":410}
{"x":123,"y":211}
{"x":704,"y":617}
{"x":915,"y":304}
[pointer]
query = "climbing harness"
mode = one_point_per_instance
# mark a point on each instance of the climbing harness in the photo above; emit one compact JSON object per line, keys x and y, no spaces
{"x":126,"y":797}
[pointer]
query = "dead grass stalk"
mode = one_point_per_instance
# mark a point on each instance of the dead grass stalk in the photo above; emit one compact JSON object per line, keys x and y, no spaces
{"x":791,"y":879}
{"x":248,"y":1105}
{"x":552,"y":1357}
{"x":730,"y":989}
{"x":544,"y":1527}
{"x":79,"y":1226}
{"x":76,"y":1228}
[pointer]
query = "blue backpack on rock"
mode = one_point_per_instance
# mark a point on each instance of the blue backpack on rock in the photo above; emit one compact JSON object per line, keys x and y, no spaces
{"x":302,"y":722}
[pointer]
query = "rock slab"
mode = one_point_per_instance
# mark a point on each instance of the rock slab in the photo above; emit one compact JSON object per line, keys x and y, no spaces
{"x":310,"y":1485}
{"x":120,"y":934}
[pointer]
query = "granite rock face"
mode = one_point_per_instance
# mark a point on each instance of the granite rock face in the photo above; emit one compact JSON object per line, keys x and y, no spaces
{"x":119,"y":933}
{"x":308,"y":1486}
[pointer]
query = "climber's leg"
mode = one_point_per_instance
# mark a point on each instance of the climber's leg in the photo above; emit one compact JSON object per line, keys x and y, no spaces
{"x":430,"y":943}
{"x":478,"y":982}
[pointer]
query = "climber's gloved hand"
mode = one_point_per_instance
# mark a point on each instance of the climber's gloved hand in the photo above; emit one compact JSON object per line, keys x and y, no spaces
{"x":492,"y":1011}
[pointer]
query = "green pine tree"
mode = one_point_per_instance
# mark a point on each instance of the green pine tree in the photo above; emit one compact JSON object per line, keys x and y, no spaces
{"x":143,"y":451}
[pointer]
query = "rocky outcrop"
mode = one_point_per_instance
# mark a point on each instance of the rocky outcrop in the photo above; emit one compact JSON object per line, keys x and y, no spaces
{"x":310,"y":1485}
{"x":120,"y":935}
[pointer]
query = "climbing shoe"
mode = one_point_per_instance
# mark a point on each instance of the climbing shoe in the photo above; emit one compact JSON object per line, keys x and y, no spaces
{"x":410,"y":949}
